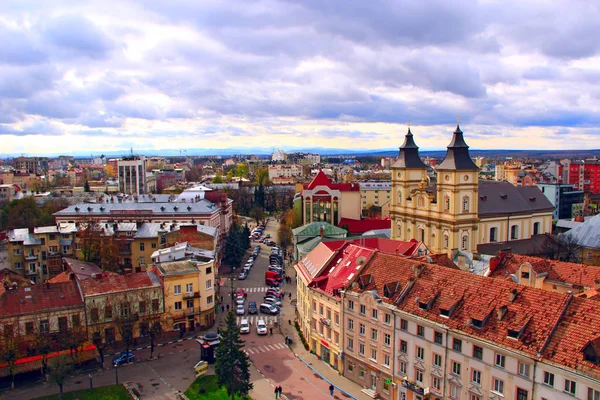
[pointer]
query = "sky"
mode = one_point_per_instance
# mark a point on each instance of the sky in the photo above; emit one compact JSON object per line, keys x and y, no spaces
{"x":102,"y":76}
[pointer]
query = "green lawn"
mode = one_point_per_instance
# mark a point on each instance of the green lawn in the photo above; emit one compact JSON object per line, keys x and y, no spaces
{"x":102,"y":393}
{"x":212,"y":390}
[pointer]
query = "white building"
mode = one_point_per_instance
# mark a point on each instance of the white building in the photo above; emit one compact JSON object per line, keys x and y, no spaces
{"x":278,"y":155}
{"x":132,"y":175}
{"x":284,"y":171}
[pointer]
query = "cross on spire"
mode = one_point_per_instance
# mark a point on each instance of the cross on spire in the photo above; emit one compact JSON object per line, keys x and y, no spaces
{"x":458,"y":119}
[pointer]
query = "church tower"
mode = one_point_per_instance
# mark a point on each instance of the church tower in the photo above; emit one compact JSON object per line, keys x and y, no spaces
{"x":457,"y":198}
{"x":408,"y":172}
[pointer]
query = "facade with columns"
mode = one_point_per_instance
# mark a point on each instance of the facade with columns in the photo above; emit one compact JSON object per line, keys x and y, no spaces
{"x":329,"y":202}
{"x":458,"y":211}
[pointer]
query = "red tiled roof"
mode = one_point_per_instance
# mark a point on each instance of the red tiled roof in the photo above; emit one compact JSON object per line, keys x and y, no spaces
{"x":82,"y":269}
{"x":32,"y":299}
{"x":390,"y":246}
{"x":478,"y":299}
{"x":364,"y":225}
{"x":343,"y":267}
{"x":116,"y":283}
{"x":61,"y":278}
{"x":314,"y":261}
{"x":579,"y":326}
{"x":322,"y":180}
{"x":558,"y":271}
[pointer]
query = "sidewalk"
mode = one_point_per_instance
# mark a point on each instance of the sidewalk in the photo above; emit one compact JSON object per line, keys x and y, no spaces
{"x":325,"y":371}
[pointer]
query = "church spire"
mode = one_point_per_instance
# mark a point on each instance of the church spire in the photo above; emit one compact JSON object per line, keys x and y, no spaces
{"x":457,"y":155}
{"x":409,"y":153}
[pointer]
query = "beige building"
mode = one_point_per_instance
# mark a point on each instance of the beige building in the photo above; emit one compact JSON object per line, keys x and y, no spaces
{"x":7,"y":193}
{"x":278,"y":171}
{"x":325,"y":201}
{"x":458,"y":211}
{"x":378,"y":194}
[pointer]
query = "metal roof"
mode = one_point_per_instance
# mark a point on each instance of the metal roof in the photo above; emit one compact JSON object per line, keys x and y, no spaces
{"x":200,"y":207}
{"x":587,"y":234}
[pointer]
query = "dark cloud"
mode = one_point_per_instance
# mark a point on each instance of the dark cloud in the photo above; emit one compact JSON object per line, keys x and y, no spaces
{"x":19,"y":47}
{"x":76,"y":34}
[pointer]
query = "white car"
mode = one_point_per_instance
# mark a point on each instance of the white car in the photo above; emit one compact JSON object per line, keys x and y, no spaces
{"x":239,"y":300}
{"x":272,"y":300}
{"x":244,"y":326}
{"x":240,"y":310}
{"x":261,"y":327}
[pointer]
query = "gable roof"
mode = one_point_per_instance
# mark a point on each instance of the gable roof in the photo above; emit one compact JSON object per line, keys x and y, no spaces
{"x":314,"y":229}
{"x":40,"y":298}
{"x":502,"y":198}
{"x":364,"y":225}
{"x":310,"y":266}
{"x":587,"y":234}
{"x":118,"y":283}
{"x":322,"y":180}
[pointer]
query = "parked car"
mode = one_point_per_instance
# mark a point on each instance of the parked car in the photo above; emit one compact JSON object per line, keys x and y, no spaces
{"x":123,"y":358}
{"x":274,"y":294}
{"x":243,"y":275}
{"x":273,"y":282}
{"x":267,"y":236}
{"x":267,"y":308}
{"x":244,"y":326}
{"x":274,"y":291}
{"x":239,"y":300}
{"x":252,"y":309}
{"x":240,"y":292}
{"x":272,"y":300}
{"x":240,"y":309}
{"x":261,"y":327}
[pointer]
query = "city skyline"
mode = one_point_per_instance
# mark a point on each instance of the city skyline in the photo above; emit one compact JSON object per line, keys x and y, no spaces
{"x":285,"y":74}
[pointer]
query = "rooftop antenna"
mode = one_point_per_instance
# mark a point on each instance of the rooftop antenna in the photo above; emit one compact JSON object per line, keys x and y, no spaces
{"x":132,"y":151}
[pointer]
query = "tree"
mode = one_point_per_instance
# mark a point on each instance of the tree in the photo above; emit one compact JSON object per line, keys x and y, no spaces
{"x":86,"y":186}
{"x":571,"y":251}
{"x":232,"y":365}
{"x":10,"y":351}
{"x":125,"y":317}
{"x":234,"y":247}
{"x":109,"y":171}
{"x":259,"y":196}
{"x":60,"y":369}
{"x":102,"y":345}
{"x":257,"y":213}
{"x":217,"y":179}
{"x":246,"y":236}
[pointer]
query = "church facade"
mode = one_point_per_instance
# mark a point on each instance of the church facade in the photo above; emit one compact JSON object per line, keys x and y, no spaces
{"x":458,"y":211}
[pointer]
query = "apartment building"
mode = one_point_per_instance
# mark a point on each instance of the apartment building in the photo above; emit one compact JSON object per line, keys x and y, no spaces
{"x":32,"y":165}
{"x":7,"y":193}
{"x":189,"y":287}
{"x":278,"y":171}
{"x":585,"y":175}
{"x":374,"y":194}
{"x":131,"y":174}
{"x":562,"y":197}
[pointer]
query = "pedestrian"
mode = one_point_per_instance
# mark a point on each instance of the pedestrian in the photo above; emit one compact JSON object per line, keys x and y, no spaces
{"x":218,"y":330}
{"x":276,"y":391}
{"x":271,"y":331}
{"x":221,"y":299}
{"x":227,"y":307}
{"x":331,"y":389}
{"x":279,"y":389}
{"x":222,"y":308}
{"x":290,"y":295}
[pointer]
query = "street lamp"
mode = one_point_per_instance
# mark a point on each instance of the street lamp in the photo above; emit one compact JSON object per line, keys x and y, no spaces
{"x":91,"y":385}
{"x":117,"y":373}
{"x":232,"y":279}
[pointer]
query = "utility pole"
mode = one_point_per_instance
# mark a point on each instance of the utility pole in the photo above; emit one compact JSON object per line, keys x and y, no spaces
{"x":232,"y":294}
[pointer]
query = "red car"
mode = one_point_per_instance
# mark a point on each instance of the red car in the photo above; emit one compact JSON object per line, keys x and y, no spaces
{"x":240,"y":292}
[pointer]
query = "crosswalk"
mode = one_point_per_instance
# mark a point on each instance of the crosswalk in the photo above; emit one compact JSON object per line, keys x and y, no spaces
{"x":253,"y":319}
{"x":265,"y":348}
{"x":256,"y":289}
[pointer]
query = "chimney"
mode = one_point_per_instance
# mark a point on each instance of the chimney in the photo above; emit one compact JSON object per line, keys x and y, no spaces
{"x":462,"y":262}
{"x":322,"y":233}
{"x":502,"y":312}
{"x":476,"y":256}
{"x":31,"y":230}
{"x":453,"y":253}
{"x":512,"y":296}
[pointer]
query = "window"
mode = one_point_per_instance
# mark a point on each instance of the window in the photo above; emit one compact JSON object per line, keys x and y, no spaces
{"x":350,"y":344}
{"x":75,"y":321}
{"x":464,"y":245}
{"x":493,"y":234}
{"x":208,"y":270}
{"x":18,"y":252}
{"x":403,"y":324}
{"x":321,"y":309}
{"x":570,"y":386}
{"x":403,"y":346}
{"x":373,"y":334}
{"x":465,"y":204}
{"x":437,"y":360}
{"x":350,"y":367}
{"x":500,"y":360}
{"x":350,"y":324}
{"x":142,"y":246}
{"x":190,"y":303}
{"x":437,"y":337}
{"x":548,"y":379}
{"x":125,"y":310}
{"x":142,"y":307}
{"x":436,"y":383}
{"x":363,"y":309}
{"x":337,"y":337}
{"x":476,"y":377}
{"x":387,"y":339}
{"x":374,"y":314}
{"x":388,"y":319}
{"x":63,"y":324}
{"x":154,"y":245}
{"x":209,"y":284}
{"x":329,"y":314}
{"x":514,"y":232}
{"x":446,"y":241}
{"x":189,"y":288}
{"x":456,"y":368}
{"x":477,"y":352}
{"x":420,"y":353}
{"x":177,"y":289}
{"x":498,"y":386}
{"x":374,"y":354}
{"x":361,"y":372}
{"x":361,"y":329}
{"x":361,"y":349}
{"x":32,"y":267}
{"x":446,"y":203}
{"x":454,"y":392}
{"x":209,"y":300}
{"x":420,"y":331}
{"x":94,"y":314}
{"x":155,"y":305}
{"x":178,"y":305}
{"x":524,"y":369}
{"x":419,"y":376}
{"x":403,"y":367}
{"x":18,"y":265}
{"x":108,"y":312}
{"x":142,"y":260}
{"x":337,"y":318}
{"x":314,"y":306}
{"x":593,"y":394}
{"x":536,"y":228}
{"x":386,"y":360}
{"x":29,"y":328}
{"x":44,"y":326}
{"x":457,"y":345}
{"x":350,"y":305}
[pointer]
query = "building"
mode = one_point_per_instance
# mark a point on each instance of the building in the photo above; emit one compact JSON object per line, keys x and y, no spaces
{"x":585,"y":175}
{"x":563,"y":197}
{"x":31,"y":165}
{"x":329,"y":202}
{"x":278,"y":156}
{"x":374,"y":194}
{"x":118,"y":305}
{"x":458,"y":211}
{"x":278,"y":171}
{"x":307,"y":237}
{"x":8,"y":193}
{"x":586,"y":237}
{"x":131,"y":174}
{"x":189,"y":292}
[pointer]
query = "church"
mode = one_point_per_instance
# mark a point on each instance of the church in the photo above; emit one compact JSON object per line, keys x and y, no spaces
{"x":458,"y":211}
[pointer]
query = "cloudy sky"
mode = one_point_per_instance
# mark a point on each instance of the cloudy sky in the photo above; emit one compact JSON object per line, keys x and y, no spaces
{"x":102,"y":76}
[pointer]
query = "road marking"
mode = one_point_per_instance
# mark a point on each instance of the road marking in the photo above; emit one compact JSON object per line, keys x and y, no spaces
{"x":249,"y":351}
{"x":272,"y":348}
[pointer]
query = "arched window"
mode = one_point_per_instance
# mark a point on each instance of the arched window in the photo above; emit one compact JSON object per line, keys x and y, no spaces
{"x":421,"y":202}
{"x":446,"y":202}
{"x":465,"y":204}
{"x":446,"y":241}
{"x":399,"y":197}
{"x":422,"y":234}
{"x":399,"y":229}
{"x":493,"y":234}
{"x":464,"y":244}
{"x":514,"y":232}
{"x":536,"y":228}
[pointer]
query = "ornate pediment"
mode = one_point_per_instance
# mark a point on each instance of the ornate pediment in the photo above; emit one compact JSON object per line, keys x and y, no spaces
{"x":454,"y":380}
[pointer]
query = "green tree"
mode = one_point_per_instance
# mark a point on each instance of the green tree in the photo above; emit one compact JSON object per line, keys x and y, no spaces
{"x":10,"y":352}
{"x":259,"y":196}
{"x":60,"y":369}
{"x":234,"y":247}
{"x":217,"y":179}
{"x":232,"y":365}
{"x":246,"y":235}
{"x":86,"y":187}
{"x":257,"y":213}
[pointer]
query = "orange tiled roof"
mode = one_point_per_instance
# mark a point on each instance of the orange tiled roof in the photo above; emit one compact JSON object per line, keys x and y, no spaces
{"x":535,"y":311}
{"x":39,"y":298}
{"x":62,"y":277}
{"x":111,"y":283}
{"x":558,"y":271}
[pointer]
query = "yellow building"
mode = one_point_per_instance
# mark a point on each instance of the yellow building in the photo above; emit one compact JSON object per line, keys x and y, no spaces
{"x":458,"y":211}
{"x":375,"y":194}
{"x":189,"y":293}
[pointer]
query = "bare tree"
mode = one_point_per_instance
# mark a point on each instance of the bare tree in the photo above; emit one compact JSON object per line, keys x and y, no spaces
{"x":60,"y":369}
{"x":10,"y":348}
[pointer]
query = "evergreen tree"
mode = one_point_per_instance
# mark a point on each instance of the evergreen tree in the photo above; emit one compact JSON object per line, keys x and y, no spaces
{"x":259,"y":196}
{"x":246,"y":235}
{"x":234,"y":247}
{"x":86,"y":187}
{"x":232,"y":365}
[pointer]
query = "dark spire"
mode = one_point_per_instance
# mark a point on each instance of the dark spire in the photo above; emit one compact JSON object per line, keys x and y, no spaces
{"x":409,"y":154}
{"x":457,"y":155}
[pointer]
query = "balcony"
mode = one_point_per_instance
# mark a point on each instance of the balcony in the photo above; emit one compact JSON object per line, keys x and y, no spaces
{"x":30,"y":257}
{"x":191,"y":295}
{"x":192,"y":311}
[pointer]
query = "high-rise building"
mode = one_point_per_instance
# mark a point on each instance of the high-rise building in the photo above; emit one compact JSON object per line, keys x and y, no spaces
{"x":132,"y":175}
{"x":585,"y":175}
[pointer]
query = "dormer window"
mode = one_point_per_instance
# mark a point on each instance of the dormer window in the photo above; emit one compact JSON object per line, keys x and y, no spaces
{"x":513,"y":334}
{"x":477,"y":323}
{"x":591,"y":351}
